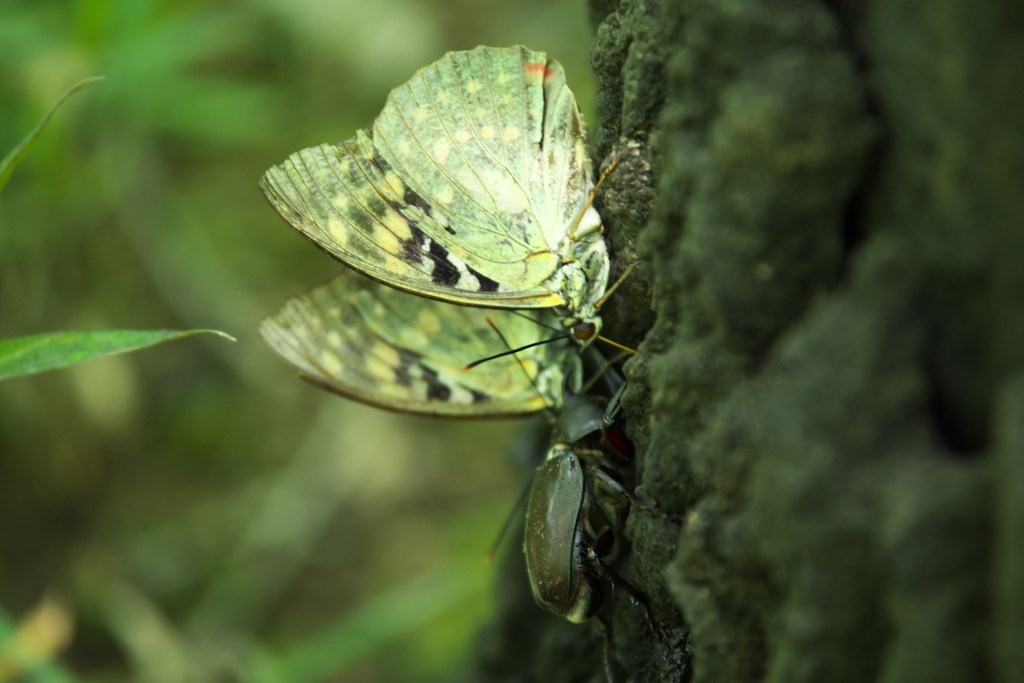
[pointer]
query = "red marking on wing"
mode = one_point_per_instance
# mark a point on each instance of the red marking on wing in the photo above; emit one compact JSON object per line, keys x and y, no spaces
{"x":536,"y":69}
{"x":548,"y":73}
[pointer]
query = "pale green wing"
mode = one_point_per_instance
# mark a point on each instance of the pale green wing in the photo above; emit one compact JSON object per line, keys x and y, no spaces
{"x":463,"y":189}
{"x":568,"y":174}
{"x":393,"y":350}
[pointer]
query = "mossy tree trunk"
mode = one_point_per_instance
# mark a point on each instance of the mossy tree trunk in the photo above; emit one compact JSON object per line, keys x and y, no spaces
{"x":827,"y":200}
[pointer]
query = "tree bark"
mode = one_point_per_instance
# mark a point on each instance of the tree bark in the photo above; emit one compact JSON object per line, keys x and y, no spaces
{"x":827,"y":203}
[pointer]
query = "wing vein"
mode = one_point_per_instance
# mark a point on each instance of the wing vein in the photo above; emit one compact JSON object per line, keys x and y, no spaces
{"x":505,"y":165}
{"x":408,"y":177}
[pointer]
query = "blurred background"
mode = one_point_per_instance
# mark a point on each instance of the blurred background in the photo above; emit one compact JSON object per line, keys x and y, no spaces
{"x":194,"y":512}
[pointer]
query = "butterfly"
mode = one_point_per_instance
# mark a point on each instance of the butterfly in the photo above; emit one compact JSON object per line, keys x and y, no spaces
{"x":384,"y":347}
{"x":473,"y":186}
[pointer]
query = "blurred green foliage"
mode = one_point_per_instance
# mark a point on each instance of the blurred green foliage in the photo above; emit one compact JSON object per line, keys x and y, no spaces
{"x":197,"y":512}
{"x":33,"y":354}
{"x":14,"y":157}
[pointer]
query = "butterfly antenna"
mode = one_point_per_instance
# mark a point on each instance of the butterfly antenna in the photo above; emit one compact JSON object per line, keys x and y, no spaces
{"x":511,"y":351}
{"x":520,"y":502}
{"x":617,"y":345}
{"x":590,"y":199}
{"x":608,"y":365}
{"x":608,"y":293}
{"x":611,"y":290}
{"x":533,"y":320}
{"x":533,"y":382}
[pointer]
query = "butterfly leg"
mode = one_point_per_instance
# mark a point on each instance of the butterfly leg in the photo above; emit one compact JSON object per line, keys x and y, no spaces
{"x":590,"y":200}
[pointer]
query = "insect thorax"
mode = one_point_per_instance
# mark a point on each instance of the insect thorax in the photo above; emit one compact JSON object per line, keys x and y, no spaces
{"x":584,"y":279}
{"x":584,"y":276}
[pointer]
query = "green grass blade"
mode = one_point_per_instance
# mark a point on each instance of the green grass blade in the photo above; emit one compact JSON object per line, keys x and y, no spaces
{"x":359,"y":633}
{"x":14,"y":157}
{"x":29,"y":355}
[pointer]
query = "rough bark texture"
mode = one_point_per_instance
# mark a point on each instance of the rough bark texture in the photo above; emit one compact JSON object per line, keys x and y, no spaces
{"x":828,"y":399}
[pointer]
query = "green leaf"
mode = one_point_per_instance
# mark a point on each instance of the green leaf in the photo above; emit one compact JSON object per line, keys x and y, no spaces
{"x":29,"y":355}
{"x":14,"y":157}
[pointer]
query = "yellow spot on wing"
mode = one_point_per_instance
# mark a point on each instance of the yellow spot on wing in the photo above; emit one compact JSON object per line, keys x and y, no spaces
{"x":530,"y":366}
{"x":419,"y":113}
{"x":338,"y":231}
{"x":395,"y":183}
{"x":446,"y":195}
{"x":397,"y":225}
{"x":487,"y":132}
{"x":387,"y":353}
{"x":390,"y":239}
{"x":462,"y":136}
{"x":379,"y":362}
{"x":511,"y":133}
{"x":441,"y":149}
{"x":330,"y":363}
{"x":473,"y":87}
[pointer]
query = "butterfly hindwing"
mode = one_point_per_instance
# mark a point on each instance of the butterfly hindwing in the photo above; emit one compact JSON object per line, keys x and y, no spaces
{"x":386,"y":348}
{"x":464,"y":189}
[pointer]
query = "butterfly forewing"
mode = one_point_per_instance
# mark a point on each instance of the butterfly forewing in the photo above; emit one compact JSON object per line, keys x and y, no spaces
{"x":341,"y":199}
{"x":464,"y":189}
{"x":481,"y":147}
{"x":401,"y":352}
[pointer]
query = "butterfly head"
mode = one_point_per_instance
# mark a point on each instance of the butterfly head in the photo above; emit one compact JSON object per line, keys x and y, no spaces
{"x":580,"y":290}
{"x":585,"y":332}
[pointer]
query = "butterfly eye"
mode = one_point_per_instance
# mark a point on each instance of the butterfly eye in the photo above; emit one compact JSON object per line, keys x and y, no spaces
{"x":584,"y":331}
